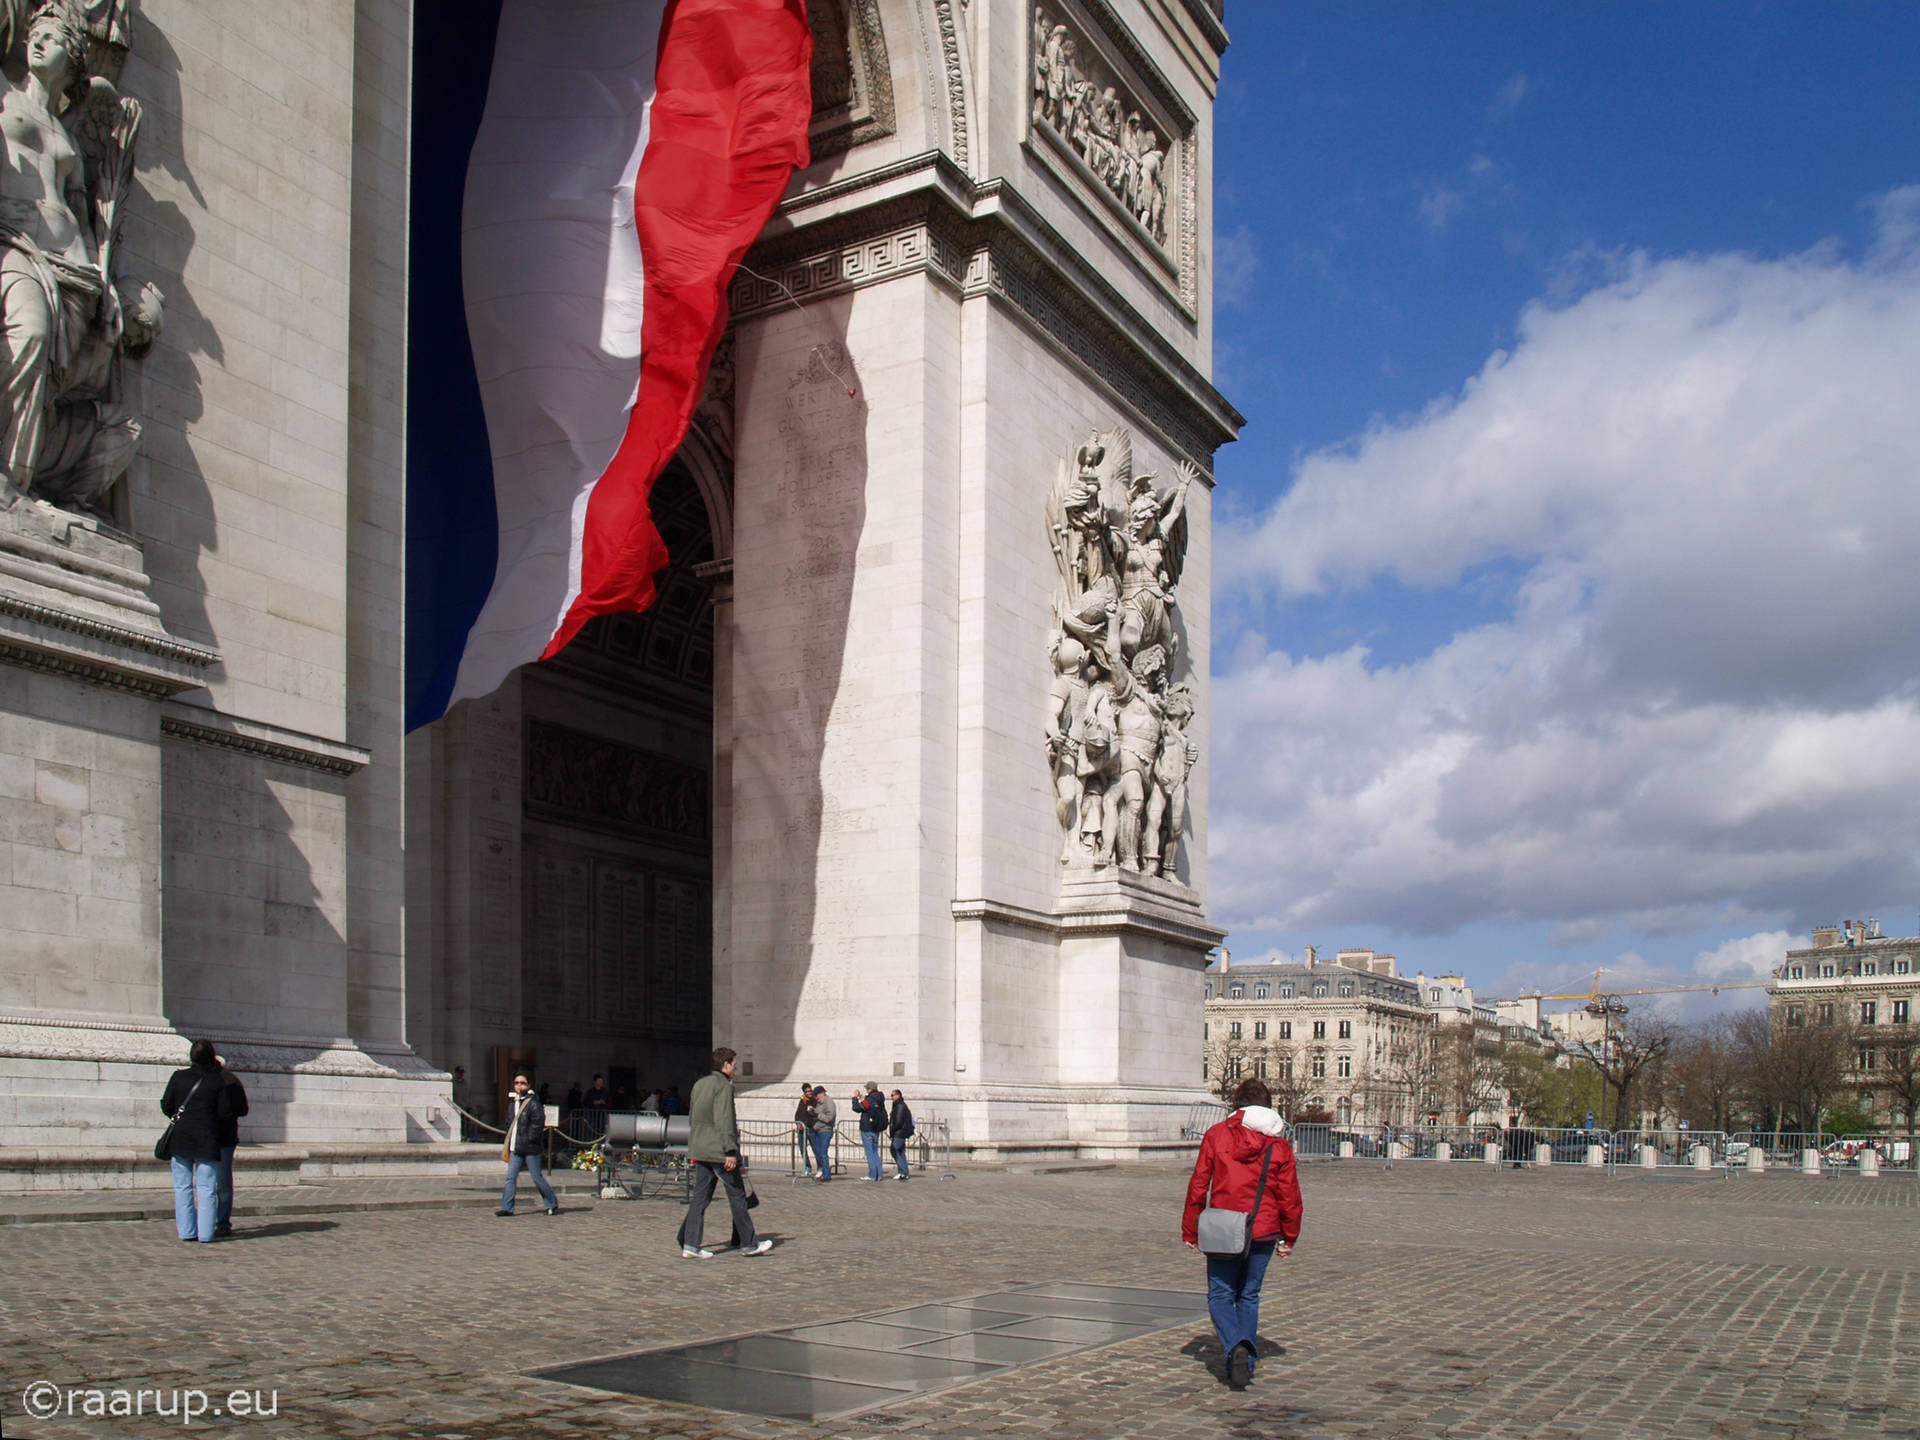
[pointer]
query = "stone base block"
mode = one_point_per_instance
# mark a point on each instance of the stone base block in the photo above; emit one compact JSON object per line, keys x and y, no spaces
{"x":67,"y":1084}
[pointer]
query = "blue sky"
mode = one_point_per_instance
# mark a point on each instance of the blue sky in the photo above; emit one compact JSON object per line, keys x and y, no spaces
{"x":1563,"y":602}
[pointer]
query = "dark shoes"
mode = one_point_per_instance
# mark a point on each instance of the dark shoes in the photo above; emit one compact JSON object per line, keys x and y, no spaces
{"x":553,"y":1209}
{"x":1240,"y":1366}
{"x":503,"y":1212}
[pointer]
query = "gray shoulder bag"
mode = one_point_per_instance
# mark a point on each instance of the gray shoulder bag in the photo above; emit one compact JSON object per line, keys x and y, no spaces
{"x":1230,"y":1232}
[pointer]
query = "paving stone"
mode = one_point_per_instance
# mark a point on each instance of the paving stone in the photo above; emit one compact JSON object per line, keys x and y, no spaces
{"x":1424,"y":1302}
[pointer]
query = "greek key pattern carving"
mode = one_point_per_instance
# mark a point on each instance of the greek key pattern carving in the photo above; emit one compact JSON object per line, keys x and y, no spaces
{"x":912,"y":235}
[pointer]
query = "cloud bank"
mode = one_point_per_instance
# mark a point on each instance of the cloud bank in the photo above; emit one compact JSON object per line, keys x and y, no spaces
{"x":1699,"y":481}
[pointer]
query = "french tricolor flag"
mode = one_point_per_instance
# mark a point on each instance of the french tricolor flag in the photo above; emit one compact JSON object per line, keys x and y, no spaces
{"x":626,"y":154}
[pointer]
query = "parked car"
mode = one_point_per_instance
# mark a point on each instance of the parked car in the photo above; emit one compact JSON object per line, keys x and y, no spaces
{"x":1365,"y":1145}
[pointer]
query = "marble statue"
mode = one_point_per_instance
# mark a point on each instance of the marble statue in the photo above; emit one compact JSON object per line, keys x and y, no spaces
{"x":69,"y":138}
{"x":1116,"y":738}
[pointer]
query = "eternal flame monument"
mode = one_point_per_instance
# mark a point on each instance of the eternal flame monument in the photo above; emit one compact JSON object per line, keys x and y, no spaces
{"x":904,"y":775}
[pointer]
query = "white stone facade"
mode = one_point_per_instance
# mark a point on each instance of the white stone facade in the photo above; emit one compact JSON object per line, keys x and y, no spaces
{"x":210,"y":821}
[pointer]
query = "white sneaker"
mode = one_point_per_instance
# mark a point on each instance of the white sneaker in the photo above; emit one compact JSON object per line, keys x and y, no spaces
{"x":687,"y":1252}
{"x":758,"y":1248}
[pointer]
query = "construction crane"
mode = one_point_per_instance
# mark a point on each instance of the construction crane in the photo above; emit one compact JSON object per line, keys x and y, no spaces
{"x":1597,"y":997}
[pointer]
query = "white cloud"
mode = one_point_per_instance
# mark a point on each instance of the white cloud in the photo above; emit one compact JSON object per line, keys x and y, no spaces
{"x":1481,"y":182}
{"x":1236,"y":256}
{"x":1506,"y":100}
{"x":1704,"y":475}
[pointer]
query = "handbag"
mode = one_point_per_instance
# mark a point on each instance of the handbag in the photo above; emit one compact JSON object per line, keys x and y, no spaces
{"x":746,"y":1185}
{"x":163,"y":1147}
{"x":1230,"y":1232}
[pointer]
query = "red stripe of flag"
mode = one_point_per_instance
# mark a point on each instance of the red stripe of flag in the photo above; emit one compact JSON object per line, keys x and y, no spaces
{"x":729,"y":126}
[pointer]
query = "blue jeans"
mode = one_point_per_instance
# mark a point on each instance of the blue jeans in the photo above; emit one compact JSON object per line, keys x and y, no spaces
{"x":1233,"y":1294}
{"x":822,"y":1144}
{"x":900,"y":1156}
{"x":223,"y":1193}
{"x":194,"y":1204}
{"x":870,"y":1141}
{"x":532,"y":1164}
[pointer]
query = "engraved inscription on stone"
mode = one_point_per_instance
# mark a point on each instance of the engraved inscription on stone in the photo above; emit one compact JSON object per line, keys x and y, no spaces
{"x":680,"y":949}
{"x":560,"y":929}
{"x":600,"y":782}
{"x":613,"y":945}
{"x":619,"y":943}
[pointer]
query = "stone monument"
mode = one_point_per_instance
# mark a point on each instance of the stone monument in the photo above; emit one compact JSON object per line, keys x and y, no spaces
{"x":902,"y":778}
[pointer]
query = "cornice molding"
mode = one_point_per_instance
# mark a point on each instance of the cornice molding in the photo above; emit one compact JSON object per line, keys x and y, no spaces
{"x":1202,"y":13}
{"x":1125,"y":916}
{"x":257,"y":738}
{"x":924,"y":216}
{"x":57,"y":641}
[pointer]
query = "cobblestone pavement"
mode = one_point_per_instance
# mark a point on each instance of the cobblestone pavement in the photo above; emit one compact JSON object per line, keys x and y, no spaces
{"x":1425,"y":1301}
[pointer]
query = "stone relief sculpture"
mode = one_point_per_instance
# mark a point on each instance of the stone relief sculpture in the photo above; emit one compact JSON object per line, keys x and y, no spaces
{"x":67,"y":322}
{"x":1081,"y":102}
{"x":1116,"y":722}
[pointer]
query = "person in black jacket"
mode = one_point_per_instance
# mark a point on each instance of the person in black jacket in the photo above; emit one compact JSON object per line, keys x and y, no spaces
{"x":899,"y":1131}
{"x":196,"y":1101}
{"x":803,"y":1128}
{"x":526,"y":1142}
{"x":229,"y":1142}
{"x":872,"y":1108}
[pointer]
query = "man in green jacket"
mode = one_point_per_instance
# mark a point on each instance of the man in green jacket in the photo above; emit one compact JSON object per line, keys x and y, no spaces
{"x":713,"y":1147}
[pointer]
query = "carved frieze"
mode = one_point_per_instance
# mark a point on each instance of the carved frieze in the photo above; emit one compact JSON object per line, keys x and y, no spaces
{"x":572,"y":775}
{"x":1117,"y":721}
{"x":1102,"y":115}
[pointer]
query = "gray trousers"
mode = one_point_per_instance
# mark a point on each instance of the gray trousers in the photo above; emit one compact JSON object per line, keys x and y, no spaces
{"x":706,"y":1175}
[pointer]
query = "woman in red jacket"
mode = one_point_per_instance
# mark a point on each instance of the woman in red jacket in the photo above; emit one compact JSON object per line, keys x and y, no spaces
{"x":1232,"y":1158}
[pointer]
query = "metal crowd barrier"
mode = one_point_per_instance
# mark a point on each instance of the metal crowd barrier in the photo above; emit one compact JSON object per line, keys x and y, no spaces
{"x":1202,"y":1118}
{"x":778,"y":1143}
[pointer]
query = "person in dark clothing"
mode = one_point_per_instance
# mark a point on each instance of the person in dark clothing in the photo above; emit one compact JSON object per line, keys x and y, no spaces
{"x":526,"y":1142}
{"x":872,"y":1109}
{"x":196,"y":1101}
{"x":1245,"y":1164}
{"x":671,"y":1103}
{"x":899,"y":1131}
{"x":229,"y":1142}
{"x":803,"y":1128}
{"x":575,"y":1099}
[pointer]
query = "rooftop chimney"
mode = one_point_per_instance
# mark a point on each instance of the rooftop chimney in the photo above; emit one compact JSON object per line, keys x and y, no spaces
{"x":1309,"y":957}
{"x":1226,"y":957}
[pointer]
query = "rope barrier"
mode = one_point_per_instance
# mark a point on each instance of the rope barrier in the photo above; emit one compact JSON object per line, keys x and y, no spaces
{"x":478,"y":1122}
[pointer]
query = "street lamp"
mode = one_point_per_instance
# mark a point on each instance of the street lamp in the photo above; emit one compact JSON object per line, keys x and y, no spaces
{"x":1606,"y":1007}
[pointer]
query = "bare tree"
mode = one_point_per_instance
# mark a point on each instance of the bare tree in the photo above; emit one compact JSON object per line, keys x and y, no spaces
{"x":1897,"y":1074}
{"x":1704,"y":1066}
{"x":1467,"y":1070}
{"x":1627,"y":1052}
{"x":1791,"y":1071}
